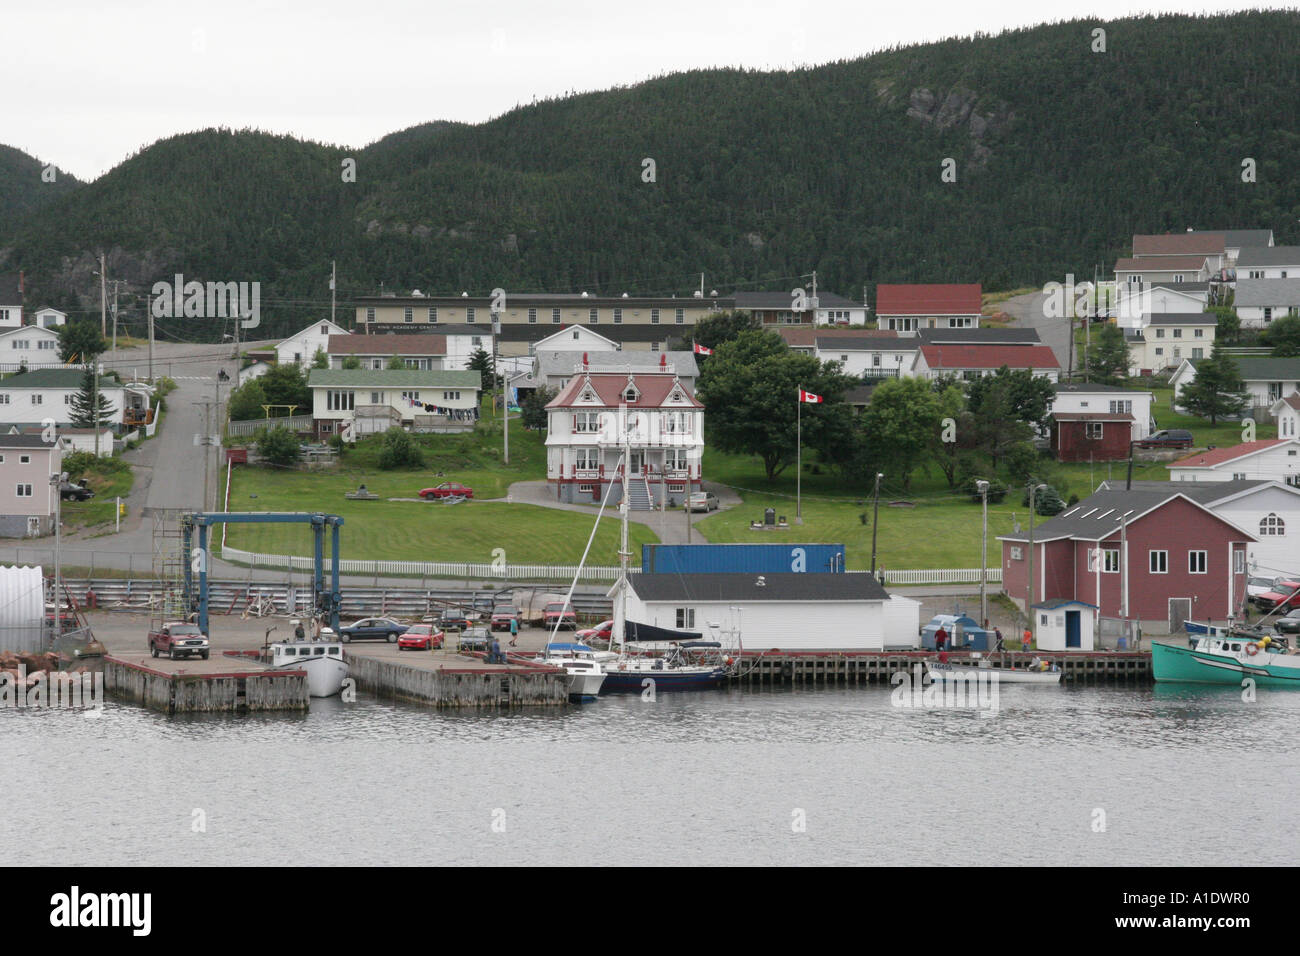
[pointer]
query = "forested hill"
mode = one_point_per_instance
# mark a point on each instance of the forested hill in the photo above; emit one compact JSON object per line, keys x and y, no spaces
{"x":23,"y":188}
{"x":1061,"y":153}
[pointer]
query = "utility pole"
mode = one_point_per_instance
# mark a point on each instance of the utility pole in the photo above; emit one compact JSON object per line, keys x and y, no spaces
{"x":94,"y":399}
{"x":103,"y":298}
{"x":1123,"y":565}
{"x":875,"y":520}
{"x":116,"y":282}
{"x":1033,"y":507}
{"x":334,"y":271}
{"x":983,"y":487}
{"x":798,"y":459}
{"x":56,"y":482}
{"x":148,"y":311}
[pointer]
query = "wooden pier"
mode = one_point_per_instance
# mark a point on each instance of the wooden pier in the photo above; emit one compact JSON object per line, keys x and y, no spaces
{"x":219,"y":686}
{"x":870,"y":667}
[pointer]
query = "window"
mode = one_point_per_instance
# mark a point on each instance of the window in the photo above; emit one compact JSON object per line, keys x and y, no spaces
{"x":1238,"y":476}
{"x":593,"y":316}
{"x":408,"y":314}
{"x":1198,"y":353}
{"x":410,"y":396}
{"x":1272,"y":526}
{"x":618,"y":316}
{"x":555,"y":316}
{"x":1160,"y":333}
{"x":532,"y":316}
{"x":586,"y":421}
{"x":654,"y":316}
{"x":685,"y":617}
{"x":1239,"y":562}
{"x":1016,"y":554}
{"x":875,"y":360}
{"x":1110,"y":560}
{"x":433,"y":315}
{"x":1160,"y":351}
{"x":24,"y":459}
{"x":1198,"y":333}
{"x":370,"y":315}
{"x":377,"y":363}
{"x":376,"y":398}
{"x":1256,"y":274}
{"x":629,"y":396}
{"x":1092,"y":430}
{"x":38,"y":399}
{"x":469,"y":315}
{"x":1159,"y":562}
{"x":338,"y":400}
{"x":453,"y":396}
{"x":680,"y":316}
{"x":24,"y":491}
{"x":675,"y":459}
{"x":1178,"y":333}
{"x":4,"y":398}
{"x":1195,"y":562}
{"x":1121,"y":407}
{"x":1268,"y":315}
{"x":67,"y":399}
{"x":47,"y":344}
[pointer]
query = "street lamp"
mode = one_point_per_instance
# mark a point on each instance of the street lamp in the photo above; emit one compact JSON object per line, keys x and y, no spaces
{"x":1033,"y":507}
{"x":875,"y":521}
{"x":56,"y":483}
{"x":983,"y":487}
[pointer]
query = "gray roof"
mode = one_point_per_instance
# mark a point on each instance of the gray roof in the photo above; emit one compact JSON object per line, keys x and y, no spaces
{"x":867,"y":343}
{"x":1099,"y":516}
{"x":567,"y":362}
{"x":1185,"y":287}
{"x":1183,"y":318}
{"x":1086,"y":388}
{"x":24,"y":441}
{"x":782,"y":300}
{"x":1269,"y":256}
{"x":392,"y":378}
{"x":52,"y":378}
{"x":744,"y":587}
{"x":9,"y":291}
{"x":1203,"y":492}
{"x":1267,"y":292}
{"x":1241,"y":238}
{"x":983,"y":336}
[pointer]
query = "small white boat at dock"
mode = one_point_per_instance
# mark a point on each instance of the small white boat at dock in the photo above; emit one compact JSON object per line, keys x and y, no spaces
{"x":322,"y":659}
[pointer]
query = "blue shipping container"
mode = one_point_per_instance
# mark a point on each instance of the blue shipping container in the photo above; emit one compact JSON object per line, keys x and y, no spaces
{"x":727,"y":558}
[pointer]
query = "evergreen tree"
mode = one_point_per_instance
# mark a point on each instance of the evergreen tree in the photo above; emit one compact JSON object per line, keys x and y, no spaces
{"x":1217,"y":390}
{"x":1108,"y":357}
{"x":1283,"y":336}
{"x":481,"y":361}
{"x":81,"y":342}
{"x":534,"y":408}
{"x":90,"y":407}
{"x":279,"y":446}
{"x":246,"y":404}
{"x":320,"y":359}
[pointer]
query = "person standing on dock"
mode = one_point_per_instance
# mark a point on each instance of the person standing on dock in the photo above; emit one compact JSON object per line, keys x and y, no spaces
{"x":998,"y":644}
{"x":298,"y":633}
{"x":1026,"y":639}
{"x":514,"y":630}
{"x":940,"y":639}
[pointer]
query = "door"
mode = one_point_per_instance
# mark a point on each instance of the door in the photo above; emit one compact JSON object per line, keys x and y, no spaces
{"x":1180,"y":609}
{"x":1072,"y":637}
{"x":634,"y":462}
{"x":33,"y":526}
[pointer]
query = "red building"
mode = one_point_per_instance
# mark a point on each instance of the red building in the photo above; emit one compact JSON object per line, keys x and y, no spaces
{"x":1091,"y":436}
{"x":1162,"y":554}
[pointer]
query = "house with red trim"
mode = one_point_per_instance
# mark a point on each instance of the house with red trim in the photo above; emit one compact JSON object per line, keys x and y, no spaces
{"x":1269,"y":459}
{"x":1154,"y":554}
{"x":1097,"y":422}
{"x":654,"y":412}
{"x":907,"y":308}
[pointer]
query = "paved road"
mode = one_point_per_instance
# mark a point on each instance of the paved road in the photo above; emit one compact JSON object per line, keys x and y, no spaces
{"x":1027,"y":312}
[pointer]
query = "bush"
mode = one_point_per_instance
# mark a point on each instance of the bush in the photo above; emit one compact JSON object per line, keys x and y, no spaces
{"x":1047,"y":501}
{"x":279,"y":446}
{"x":997,"y":489}
{"x":399,"y":451}
{"x":1020,"y":459}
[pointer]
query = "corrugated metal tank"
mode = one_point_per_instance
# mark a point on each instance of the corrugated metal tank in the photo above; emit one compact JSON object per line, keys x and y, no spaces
{"x":759,"y":558}
{"x":22,"y":608}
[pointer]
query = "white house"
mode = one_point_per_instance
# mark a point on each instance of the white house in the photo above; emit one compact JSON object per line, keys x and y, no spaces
{"x":30,"y":345}
{"x":1078,"y":398}
{"x":554,"y":369}
{"x":654,"y":412}
{"x":27,"y":497}
{"x":1260,"y":301}
{"x":907,"y":308}
{"x":32,"y":397}
{"x":849,"y":611}
{"x":882,"y":355}
{"x":777,"y":308}
{"x":1269,"y":262}
{"x":300,"y":348}
{"x":1267,"y":378}
{"x":1134,"y":303}
{"x":1167,"y":338}
{"x":575,"y":338}
{"x":1268,"y":459}
{"x":358,"y":402}
{"x":48,"y":318}
{"x":970,"y":360}
{"x":1286,"y":411}
{"x":11,"y":301}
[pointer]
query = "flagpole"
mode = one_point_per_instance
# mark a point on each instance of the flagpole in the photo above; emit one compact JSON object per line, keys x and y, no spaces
{"x":798,"y":462}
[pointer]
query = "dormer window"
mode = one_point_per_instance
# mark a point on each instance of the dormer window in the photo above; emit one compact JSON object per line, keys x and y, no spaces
{"x":588,"y":396}
{"x":629,"y":396}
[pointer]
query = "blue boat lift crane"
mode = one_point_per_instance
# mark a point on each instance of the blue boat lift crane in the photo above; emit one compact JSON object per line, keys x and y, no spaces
{"x":326,"y":601}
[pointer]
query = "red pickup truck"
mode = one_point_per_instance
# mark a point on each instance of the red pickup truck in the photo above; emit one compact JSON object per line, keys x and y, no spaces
{"x":559,"y":613}
{"x":179,"y":640}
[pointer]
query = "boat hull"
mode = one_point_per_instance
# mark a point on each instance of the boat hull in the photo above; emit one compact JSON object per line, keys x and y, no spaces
{"x":1180,"y":664}
{"x":1005,"y":675}
{"x":585,"y":685}
{"x":634,"y":681}
{"x":325,"y":675}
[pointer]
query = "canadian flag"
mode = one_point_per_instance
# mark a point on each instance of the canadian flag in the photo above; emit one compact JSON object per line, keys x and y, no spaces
{"x":701,"y":350}
{"x":809,"y":397}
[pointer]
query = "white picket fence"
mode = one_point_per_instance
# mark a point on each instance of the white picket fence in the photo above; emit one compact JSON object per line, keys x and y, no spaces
{"x":544,"y":572}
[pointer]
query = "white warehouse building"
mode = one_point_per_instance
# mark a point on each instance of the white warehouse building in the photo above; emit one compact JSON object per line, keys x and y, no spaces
{"x":841,"y":612}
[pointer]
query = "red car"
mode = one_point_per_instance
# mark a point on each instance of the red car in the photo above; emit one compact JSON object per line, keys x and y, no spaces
{"x":601,"y":632}
{"x":558,"y":612}
{"x":502,"y":615}
{"x":448,"y":489}
{"x":420,"y":637}
{"x":1284,"y":596}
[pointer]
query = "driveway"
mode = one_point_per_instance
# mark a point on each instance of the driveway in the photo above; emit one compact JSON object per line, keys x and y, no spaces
{"x":1026,"y":312}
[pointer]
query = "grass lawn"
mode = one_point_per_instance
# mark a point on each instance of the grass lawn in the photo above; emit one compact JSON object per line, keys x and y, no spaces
{"x":417,"y":530}
{"x":109,"y":478}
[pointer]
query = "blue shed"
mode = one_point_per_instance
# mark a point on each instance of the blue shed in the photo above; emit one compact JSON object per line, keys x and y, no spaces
{"x":964,"y":633}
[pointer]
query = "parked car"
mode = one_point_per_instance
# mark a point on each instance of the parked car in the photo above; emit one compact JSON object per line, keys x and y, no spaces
{"x":448,"y":489}
{"x":702,"y":501}
{"x":70,"y":491}
{"x":502,"y":615}
{"x":474,"y":639}
{"x":1284,"y":596}
{"x":454,"y":619}
{"x":1167,"y":438}
{"x":1257,"y":586}
{"x":373,"y":629}
{"x":1290,"y":624}
{"x":420,"y":637}
{"x":179,"y":640}
{"x":601,"y":632}
{"x":560,"y":614}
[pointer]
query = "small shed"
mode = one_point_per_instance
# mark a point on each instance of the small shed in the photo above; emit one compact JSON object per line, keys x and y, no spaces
{"x":22,"y":608}
{"x":1065,"y":625}
{"x":963,"y":631}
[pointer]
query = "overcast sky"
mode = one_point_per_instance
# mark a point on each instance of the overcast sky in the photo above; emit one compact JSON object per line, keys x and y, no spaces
{"x":87,"y":84}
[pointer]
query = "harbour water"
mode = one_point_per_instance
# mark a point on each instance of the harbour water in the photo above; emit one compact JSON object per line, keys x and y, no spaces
{"x":1097,"y":775}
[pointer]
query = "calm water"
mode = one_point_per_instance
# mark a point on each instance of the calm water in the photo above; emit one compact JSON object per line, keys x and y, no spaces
{"x":1184,"y":776}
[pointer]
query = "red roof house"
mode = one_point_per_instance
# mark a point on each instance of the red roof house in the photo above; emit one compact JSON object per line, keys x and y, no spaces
{"x":906,"y":308}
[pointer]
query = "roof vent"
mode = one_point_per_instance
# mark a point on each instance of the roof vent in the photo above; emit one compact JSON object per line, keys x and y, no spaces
{"x":625,"y":295}
{"x":464,"y":295}
{"x":417,"y":294}
{"x":761,"y":582}
{"x":584,"y":295}
{"x":699,"y":294}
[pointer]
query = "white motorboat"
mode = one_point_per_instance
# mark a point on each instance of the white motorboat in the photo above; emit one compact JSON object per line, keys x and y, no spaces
{"x":322,"y":659}
{"x":1005,"y":675}
{"x":578,"y":661}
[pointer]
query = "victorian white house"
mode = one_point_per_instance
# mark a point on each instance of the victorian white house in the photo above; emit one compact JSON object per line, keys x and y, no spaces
{"x":654,"y":412}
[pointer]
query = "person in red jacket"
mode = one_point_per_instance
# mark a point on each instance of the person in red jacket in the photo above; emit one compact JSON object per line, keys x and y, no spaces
{"x":940,"y":638}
